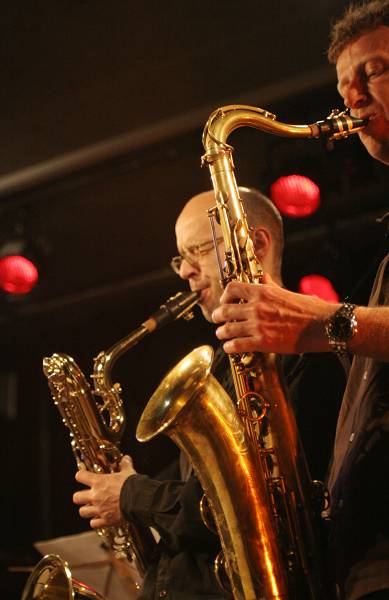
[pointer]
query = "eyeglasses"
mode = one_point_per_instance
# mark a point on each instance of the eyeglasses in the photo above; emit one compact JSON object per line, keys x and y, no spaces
{"x":193,"y":254}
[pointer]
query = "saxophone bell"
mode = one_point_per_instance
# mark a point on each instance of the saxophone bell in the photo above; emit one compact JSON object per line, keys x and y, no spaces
{"x":51,"y":579}
{"x":192,"y":408}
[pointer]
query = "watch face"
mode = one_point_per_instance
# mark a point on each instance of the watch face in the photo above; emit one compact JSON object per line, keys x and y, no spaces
{"x":343,"y":328}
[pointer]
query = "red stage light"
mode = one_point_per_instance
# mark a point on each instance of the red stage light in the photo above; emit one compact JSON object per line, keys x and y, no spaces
{"x":295,"y":195}
{"x":317,"y":285}
{"x":18,"y":275}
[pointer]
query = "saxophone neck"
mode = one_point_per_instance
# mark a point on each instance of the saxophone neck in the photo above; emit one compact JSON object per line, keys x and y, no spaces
{"x":174,"y":308}
{"x":223,"y":121}
{"x":241,"y":262}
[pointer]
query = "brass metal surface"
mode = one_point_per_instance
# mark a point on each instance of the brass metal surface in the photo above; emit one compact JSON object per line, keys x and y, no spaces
{"x":192,"y":408}
{"x":51,"y":579}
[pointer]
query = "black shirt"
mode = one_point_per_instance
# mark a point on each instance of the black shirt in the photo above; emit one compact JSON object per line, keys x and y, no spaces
{"x":183,"y":565}
{"x":359,"y":478}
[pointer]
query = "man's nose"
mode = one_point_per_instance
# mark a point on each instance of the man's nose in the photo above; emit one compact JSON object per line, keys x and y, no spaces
{"x":355,"y":97}
{"x":187,"y":269}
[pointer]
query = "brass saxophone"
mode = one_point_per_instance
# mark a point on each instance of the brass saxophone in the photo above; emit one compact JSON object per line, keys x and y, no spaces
{"x":96,"y":419}
{"x":247,"y":456}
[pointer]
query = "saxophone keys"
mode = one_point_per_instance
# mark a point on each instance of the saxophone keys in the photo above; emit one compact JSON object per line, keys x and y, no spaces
{"x":257,"y":406}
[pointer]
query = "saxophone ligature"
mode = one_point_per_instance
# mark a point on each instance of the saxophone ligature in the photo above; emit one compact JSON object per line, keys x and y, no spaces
{"x":246,"y":455}
{"x":96,"y":419}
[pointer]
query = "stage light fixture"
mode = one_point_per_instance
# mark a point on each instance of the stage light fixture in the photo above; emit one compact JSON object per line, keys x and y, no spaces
{"x":18,"y":271}
{"x":295,"y":195}
{"x":18,"y":274}
{"x":320,"y":286}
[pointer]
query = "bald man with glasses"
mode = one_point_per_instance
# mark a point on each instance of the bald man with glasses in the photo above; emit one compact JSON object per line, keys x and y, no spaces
{"x":183,"y":567}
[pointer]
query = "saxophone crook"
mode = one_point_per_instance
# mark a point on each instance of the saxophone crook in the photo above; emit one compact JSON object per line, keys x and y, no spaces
{"x":179,"y":305}
{"x":223,"y":121}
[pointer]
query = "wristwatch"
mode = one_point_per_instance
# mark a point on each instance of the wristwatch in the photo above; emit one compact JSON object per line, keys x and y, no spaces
{"x":341,"y":327}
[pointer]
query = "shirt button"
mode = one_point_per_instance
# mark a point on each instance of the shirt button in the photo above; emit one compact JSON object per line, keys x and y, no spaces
{"x":162,"y":594}
{"x":351,"y":437}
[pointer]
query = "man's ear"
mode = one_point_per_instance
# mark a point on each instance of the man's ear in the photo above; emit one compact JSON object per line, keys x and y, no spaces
{"x":262,"y":242}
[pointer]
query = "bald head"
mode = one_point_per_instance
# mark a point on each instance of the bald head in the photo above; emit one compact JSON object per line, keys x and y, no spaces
{"x":193,"y":230}
{"x":260,"y":213}
{"x":196,"y":209}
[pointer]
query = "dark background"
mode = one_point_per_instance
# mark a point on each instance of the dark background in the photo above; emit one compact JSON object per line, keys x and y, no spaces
{"x":102,"y":106}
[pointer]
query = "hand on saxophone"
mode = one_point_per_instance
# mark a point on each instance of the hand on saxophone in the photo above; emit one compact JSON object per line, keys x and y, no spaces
{"x":101,"y":502}
{"x":271,"y":319}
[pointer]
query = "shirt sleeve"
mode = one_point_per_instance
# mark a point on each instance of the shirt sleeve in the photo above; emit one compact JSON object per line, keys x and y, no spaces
{"x":155,"y":503}
{"x":188,"y":531}
{"x":172,"y":508}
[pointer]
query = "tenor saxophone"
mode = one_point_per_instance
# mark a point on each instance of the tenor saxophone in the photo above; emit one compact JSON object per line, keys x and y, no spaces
{"x":96,"y":419}
{"x":247,"y":455}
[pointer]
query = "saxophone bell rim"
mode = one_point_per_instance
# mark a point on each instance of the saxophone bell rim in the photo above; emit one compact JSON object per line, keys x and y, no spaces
{"x":164,"y":405}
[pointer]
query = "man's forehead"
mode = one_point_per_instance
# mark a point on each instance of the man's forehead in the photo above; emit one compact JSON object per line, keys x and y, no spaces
{"x":195,"y":229}
{"x":369,"y":45}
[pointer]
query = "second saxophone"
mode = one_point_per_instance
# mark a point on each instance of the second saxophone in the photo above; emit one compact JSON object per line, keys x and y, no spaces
{"x":96,"y":419}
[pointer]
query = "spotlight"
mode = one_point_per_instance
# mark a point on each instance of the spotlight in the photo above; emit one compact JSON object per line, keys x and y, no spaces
{"x":18,"y":273}
{"x":320,"y":286}
{"x":295,"y":195}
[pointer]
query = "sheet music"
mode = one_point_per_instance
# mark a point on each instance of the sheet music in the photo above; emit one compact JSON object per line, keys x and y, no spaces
{"x":92,"y":564}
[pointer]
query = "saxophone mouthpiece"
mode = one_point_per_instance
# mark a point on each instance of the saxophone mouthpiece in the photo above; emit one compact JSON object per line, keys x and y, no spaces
{"x":338,"y":125}
{"x":174,"y":308}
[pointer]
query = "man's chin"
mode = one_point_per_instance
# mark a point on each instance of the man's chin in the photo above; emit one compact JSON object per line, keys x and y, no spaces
{"x":209,"y":301}
{"x":207,"y":308}
{"x":207,"y":312}
{"x":377,"y":148}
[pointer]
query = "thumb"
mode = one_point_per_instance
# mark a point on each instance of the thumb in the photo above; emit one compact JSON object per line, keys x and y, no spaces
{"x":126,"y":463}
{"x":267,"y":279}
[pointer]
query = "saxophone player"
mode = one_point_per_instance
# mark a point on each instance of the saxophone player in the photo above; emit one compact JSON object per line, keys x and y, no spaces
{"x":183,"y":567}
{"x":275,"y":320}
